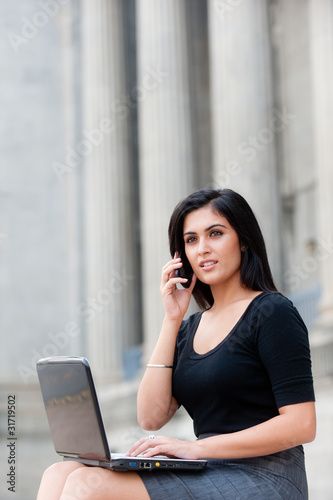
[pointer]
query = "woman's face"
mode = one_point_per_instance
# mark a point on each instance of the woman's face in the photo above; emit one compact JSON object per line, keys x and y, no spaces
{"x":212,"y":247}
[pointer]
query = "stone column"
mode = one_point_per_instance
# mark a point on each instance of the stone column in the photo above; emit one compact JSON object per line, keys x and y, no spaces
{"x":321,"y":15}
{"x":293,"y":89}
{"x":165,"y":141}
{"x":110,"y":307}
{"x":244,"y":119}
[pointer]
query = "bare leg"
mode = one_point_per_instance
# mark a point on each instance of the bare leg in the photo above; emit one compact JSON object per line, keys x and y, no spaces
{"x":74,"y":481}
{"x":94,"y":483}
{"x":54,"y":479}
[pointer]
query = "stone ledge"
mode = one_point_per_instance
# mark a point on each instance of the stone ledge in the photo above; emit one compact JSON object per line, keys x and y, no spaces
{"x":117,"y":402}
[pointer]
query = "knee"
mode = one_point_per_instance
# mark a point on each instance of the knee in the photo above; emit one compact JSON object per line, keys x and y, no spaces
{"x":61,"y":470}
{"x":85,"y":481}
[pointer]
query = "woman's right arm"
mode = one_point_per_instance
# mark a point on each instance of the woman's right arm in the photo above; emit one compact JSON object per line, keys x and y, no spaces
{"x":155,"y":402}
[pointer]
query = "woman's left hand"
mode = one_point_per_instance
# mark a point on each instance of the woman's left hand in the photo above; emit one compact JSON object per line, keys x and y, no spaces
{"x":160,"y":445}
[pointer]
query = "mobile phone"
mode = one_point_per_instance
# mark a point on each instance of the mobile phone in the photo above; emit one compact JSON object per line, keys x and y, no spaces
{"x":185,"y":271}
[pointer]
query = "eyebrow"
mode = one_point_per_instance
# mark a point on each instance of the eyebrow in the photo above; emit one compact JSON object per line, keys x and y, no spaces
{"x":207,"y":229}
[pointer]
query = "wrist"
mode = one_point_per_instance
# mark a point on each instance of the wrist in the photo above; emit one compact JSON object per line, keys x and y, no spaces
{"x":164,"y":351}
{"x":206,"y":448}
{"x":198,"y":450}
{"x":172,"y":323}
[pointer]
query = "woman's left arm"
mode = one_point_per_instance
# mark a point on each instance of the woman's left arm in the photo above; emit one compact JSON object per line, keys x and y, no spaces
{"x":295,"y":425}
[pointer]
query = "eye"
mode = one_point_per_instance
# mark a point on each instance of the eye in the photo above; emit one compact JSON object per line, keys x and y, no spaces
{"x":216,"y":233}
{"x":190,"y":239}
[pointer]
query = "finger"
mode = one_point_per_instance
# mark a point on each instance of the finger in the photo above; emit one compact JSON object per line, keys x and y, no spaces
{"x":193,"y":282}
{"x":170,"y":263}
{"x":169,"y":271}
{"x":165,"y":448}
{"x":136,"y":445}
{"x":152,"y":452}
{"x":174,"y":280}
{"x":141,"y":446}
{"x":171,"y":266}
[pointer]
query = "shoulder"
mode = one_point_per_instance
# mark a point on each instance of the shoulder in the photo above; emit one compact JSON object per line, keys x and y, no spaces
{"x":272,"y":305}
{"x":276,"y":298}
{"x":275,"y":316}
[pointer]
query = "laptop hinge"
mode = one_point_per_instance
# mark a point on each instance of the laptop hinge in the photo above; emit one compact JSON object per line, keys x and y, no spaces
{"x":85,"y":461}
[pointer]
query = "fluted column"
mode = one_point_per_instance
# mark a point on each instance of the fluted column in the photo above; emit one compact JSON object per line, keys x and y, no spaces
{"x":165,"y":140}
{"x":110,"y":307}
{"x":321,"y":15}
{"x":244,"y":119}
{"x":295,"y":145}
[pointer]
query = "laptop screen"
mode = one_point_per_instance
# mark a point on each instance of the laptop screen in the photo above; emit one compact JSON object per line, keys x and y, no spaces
{"x":72,"y":409}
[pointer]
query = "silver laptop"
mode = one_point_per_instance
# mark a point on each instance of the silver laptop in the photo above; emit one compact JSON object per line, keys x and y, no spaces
{"x":76,"y":423}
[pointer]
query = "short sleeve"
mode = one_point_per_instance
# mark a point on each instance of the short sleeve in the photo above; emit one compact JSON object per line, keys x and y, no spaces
{"x":283,"y":345}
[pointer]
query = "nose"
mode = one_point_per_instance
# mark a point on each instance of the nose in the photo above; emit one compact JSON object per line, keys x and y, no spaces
{"x":203,"y":247}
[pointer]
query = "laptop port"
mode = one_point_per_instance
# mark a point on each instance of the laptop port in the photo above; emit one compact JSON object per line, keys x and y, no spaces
{"x":145,"y":465}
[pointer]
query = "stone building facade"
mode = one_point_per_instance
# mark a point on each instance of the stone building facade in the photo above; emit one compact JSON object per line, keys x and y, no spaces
{"x":114,"y":110}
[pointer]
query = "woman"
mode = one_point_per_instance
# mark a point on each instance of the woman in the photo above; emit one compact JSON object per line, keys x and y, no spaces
{"x":241,"y":367}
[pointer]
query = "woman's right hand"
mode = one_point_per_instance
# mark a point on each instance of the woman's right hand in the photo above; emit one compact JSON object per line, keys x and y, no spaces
{"x":175,"y":300}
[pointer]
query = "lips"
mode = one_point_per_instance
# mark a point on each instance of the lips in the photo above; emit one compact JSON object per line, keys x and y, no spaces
{"x":207,"y":263}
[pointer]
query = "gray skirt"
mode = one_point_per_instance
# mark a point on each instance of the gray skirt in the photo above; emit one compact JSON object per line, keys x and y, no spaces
{"x":280,"y":476}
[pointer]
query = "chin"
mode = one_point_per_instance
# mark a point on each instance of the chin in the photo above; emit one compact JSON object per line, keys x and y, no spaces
{"x":207,"y":280}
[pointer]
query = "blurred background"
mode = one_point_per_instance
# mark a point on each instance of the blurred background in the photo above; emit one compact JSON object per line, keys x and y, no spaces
{"x":112,"y":111}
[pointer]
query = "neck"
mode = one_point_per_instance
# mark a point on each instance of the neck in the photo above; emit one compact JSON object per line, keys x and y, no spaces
{"x":224,"y":295}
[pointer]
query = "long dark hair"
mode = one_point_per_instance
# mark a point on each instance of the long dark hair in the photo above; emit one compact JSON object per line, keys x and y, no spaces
{"x":255,"y":272}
